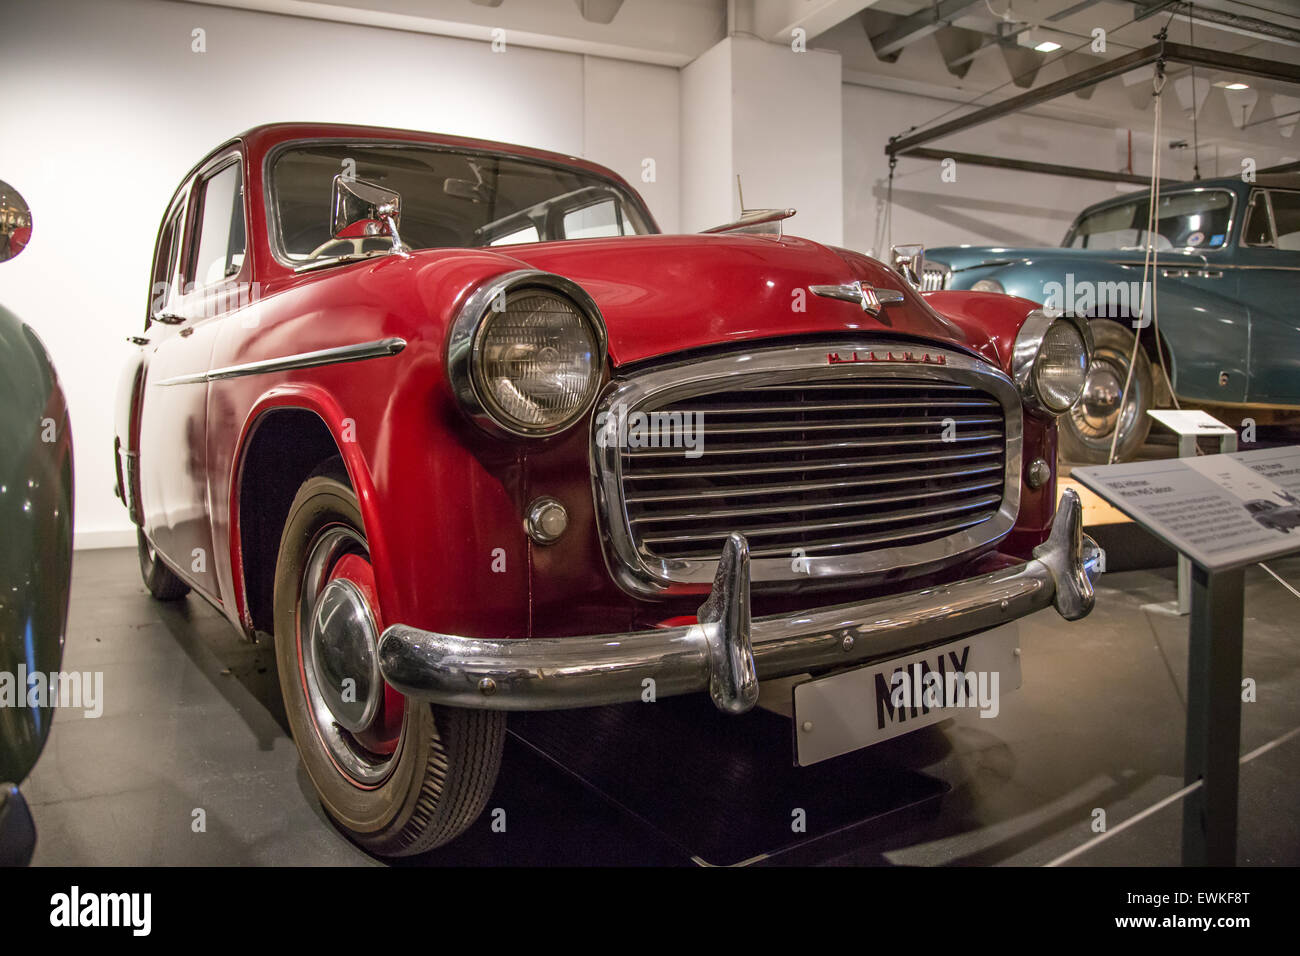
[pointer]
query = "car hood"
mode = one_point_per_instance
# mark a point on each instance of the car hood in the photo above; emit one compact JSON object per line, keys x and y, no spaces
{"x":664,"y":294}
{"x":970,"y":257}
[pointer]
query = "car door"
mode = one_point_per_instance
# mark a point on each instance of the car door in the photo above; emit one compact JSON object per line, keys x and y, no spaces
{"x":183,"y":329}
{"x":1268,"y":273}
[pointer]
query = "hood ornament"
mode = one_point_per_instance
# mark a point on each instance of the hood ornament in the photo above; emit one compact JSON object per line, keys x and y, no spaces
{"x":870,"y":298}
{"x":761,"y":222}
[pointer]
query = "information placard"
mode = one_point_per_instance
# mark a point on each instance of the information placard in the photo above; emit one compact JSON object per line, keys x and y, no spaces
{"x":1222,"y":511}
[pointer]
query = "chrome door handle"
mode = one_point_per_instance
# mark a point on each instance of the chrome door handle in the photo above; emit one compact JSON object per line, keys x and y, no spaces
{"x":168,"y":318}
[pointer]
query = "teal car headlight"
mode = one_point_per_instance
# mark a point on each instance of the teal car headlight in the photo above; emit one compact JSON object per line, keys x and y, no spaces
{"x":987,"y":285}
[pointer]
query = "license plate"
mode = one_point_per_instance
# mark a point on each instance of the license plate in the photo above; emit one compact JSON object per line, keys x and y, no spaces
{"x":858,"y":708}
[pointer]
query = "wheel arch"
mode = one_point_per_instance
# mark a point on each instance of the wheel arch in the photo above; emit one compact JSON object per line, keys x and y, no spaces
{"x":287,"y":434}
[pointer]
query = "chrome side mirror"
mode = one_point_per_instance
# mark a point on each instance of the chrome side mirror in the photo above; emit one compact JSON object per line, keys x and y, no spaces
{"x":909,"y":261}
{"x":15,"y":222}
{"x":366,"y":209}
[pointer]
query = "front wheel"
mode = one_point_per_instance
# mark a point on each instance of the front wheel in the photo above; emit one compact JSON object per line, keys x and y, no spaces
{"x":1087,"y":429}
{"x":400,"y":776}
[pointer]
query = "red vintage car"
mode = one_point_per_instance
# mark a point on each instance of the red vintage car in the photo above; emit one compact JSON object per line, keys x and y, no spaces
{"x":456,"y":425}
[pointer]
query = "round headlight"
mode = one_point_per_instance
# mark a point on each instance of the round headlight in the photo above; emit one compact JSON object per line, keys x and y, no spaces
{"x":1050,"y":360}
{"x":987,"y":285}
{"x":535,"y":362}
{"x":526,"y":353}
{"x":1062,"y":366}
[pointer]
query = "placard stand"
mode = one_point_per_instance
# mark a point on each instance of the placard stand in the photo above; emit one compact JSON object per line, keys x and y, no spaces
{"x":1213,"y":716}
{"x":1231,"y":490}
{"x":1190,"y":425}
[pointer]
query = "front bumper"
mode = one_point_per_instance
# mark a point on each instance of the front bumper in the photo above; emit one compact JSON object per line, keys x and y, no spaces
{"x":725,"y":652}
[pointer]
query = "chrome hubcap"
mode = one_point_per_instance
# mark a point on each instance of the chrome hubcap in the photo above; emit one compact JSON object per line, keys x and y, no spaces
{"x":344,"y":655}
{"x":1102,"y":392}
{"x":338,"y":644}
{"x":1103,"y":407}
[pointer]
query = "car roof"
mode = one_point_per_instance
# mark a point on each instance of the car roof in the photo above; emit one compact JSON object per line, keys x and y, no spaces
{"x":1234,"y":183}
{"x":260,"y":139}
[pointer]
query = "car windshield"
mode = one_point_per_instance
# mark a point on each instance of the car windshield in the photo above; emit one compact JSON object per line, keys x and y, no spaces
{"x":1185,"y":220}
{"x":449,"y":198}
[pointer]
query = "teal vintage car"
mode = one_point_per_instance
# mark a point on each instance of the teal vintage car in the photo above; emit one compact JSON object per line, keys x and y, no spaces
{"x":1226,"y":291}
{"x":35,"y":562}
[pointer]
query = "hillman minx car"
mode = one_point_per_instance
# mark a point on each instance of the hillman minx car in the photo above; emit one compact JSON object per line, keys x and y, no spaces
{"x":1228,"y":256}
{"x":456,"y":426}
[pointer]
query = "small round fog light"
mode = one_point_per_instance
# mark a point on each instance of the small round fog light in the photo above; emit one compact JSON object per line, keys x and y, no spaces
{"x":546,"y":520}
{"x":1039,"y":472}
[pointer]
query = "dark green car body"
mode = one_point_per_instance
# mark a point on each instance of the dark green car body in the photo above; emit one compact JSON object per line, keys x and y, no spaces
{"x":35,"y":556}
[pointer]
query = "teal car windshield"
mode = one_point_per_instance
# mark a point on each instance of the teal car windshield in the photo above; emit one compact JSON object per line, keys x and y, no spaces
{"x":1184,"y":220}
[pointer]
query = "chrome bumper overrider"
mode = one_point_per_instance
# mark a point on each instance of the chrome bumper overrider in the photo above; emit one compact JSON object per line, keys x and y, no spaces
{"x":726,"y":653}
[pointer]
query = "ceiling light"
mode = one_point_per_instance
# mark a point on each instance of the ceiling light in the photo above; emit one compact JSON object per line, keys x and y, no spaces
{"x":1236,"y":86}
{"x":1047,"y":46}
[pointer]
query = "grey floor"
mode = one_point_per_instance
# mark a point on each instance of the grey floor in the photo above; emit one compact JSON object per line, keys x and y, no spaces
{"x":191,"y":722}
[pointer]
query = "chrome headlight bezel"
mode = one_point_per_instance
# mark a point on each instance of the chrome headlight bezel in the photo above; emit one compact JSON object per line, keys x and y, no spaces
{"x":1027,"y":355}
{"x":465,"y":341}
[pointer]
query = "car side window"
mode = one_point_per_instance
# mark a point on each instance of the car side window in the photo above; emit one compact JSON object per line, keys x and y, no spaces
{"x":594,"y":221}
{"x":526,"y":234}
{"x":1286,"y":219}
{"x":164,"y":269}
{"x":1257,"y":230}
{"x":219,"y":235}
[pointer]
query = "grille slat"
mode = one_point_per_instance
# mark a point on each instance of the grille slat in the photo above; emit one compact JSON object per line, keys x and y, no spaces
{"x":859,"y":405}
{"x":783,"y":508}
{"x":742,"y":471}
{"x":782,"y":448}
{"x":828,"y":466}
{"x":807,"y":486}
{"x":711,"y":431}
{"x":808,"y":527}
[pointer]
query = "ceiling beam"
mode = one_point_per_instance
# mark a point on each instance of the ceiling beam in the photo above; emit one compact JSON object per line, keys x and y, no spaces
{"x":668,"y":35}
{"x":1049,"y":91}
{"x":776,"y":20}
{"x":913,"y":27}
{"x":1220,"y":19}
{"x":1156,"y":52}
{"x":1024,"y":165}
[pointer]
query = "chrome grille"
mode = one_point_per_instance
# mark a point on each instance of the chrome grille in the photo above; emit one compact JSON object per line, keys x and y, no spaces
{"x":843,"y":467}
{"x":934,"y":276}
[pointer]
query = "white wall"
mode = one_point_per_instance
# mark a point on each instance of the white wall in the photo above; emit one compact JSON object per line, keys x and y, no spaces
{"x":708,"y":186}
{"x":107,"y":107}
{"x":772,"y":116}
{"x":788,"y":142}
{"x":984,"y":205}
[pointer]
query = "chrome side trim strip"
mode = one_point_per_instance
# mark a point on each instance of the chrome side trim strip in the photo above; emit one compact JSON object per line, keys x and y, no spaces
{"x":331,"y":356}
{"x":727,"y":653}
